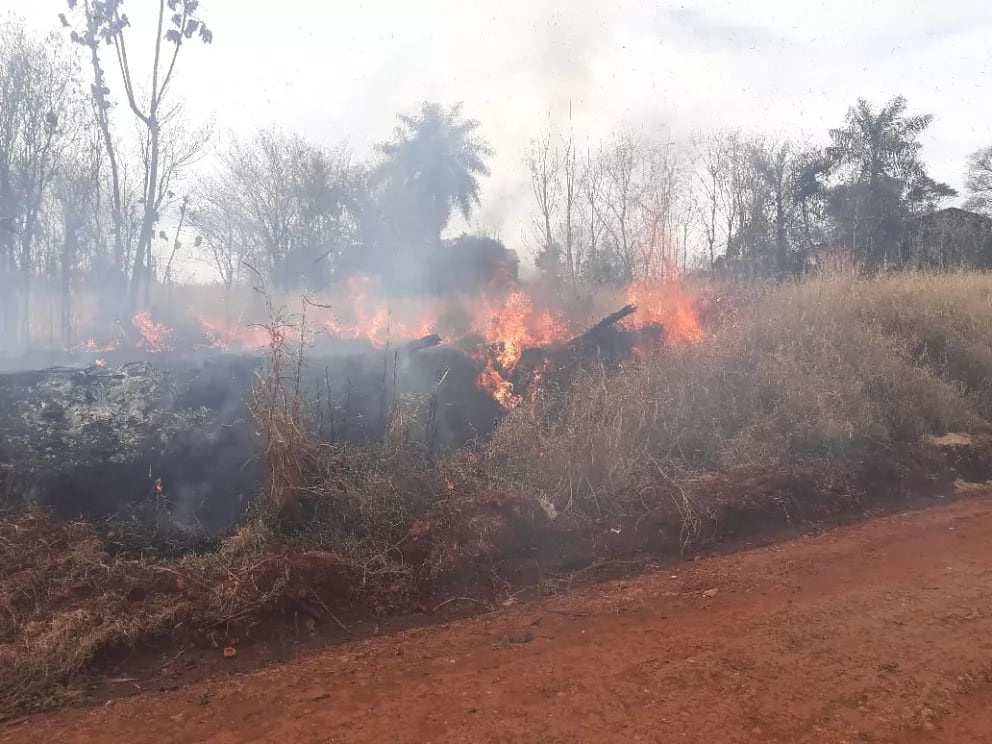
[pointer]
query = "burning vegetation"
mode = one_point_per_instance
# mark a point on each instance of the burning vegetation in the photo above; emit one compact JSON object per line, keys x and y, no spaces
{"x":306,"y":498}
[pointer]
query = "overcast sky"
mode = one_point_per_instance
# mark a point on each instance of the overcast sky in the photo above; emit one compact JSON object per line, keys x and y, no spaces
{"x":342,"y":70}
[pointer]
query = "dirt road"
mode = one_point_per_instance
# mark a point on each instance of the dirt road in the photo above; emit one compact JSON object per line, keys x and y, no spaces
{"x":881,"y":633}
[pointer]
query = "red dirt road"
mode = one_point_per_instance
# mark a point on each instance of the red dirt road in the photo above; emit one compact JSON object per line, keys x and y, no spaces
{"x":880,"y":632}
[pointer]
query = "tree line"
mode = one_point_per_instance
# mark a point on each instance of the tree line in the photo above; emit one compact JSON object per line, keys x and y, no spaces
{"x":636,"y":205}
{"x":101,"y":187}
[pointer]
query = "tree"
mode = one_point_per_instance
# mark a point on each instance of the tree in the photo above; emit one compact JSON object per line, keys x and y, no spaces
{"x":590,"y":260}
{"x":544,"y":164}
{"x":105,"y":22}
{"x":288,"y":202}
{"x":39,"y":119}
{"x":431,"y":167}
{"x":556,"y":186}
{"x":636,"y":204}
{"x":978,"y":181}
{"x":78,"y":234}
{"x":880,"y":179}
{"x":223,"y":232}
{"x":711,"y":175}
{"x":809,"y":171}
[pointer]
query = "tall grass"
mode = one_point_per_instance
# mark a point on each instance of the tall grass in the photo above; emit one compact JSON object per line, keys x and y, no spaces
{"x":817,"y":369}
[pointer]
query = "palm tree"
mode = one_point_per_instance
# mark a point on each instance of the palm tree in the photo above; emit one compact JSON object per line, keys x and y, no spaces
{"x":883,"y":179}
{"x":432,"y":166}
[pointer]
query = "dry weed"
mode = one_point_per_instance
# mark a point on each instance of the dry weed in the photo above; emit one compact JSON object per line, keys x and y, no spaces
{"x":817,"y":369}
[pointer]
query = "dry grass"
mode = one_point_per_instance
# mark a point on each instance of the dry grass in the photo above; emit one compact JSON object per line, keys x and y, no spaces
{"x":811,"y":370}
{"x":64,"y":601}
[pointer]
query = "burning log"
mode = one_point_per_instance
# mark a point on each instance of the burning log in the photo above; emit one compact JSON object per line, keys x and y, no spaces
{"x":426,"y":342}
{"x":603,"y":342}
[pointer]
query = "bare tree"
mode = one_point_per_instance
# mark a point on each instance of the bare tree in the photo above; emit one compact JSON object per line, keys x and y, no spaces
{"x":223,"y":233}
{"x":591,"y":188}
{"x":711,"y":177}
{"x":557,"y":185}
{"x":636,"y":206}
{"x":294,"y":198}
{"x":105,"y":22}
{"x":39,"y":117}
{"x":543,"y":162}
{"x":76,"y":217}
{"x":978,"y":181}
{"x":686,"y":210}
{"x":182,"y":146}
{"x":570,"y":195}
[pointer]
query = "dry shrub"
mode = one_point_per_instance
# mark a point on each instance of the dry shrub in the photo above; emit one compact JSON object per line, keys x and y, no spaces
{"x":811,"y":370}
{"x":64,"y":600}
{"x":358,"y":501}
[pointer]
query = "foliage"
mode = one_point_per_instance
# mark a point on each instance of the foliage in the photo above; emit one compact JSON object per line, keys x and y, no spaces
{"x":879,"y":179}
{"x":430,"y":168}
{"x":978,"y":181}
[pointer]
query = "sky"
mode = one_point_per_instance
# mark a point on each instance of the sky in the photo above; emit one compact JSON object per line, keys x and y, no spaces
{"x":338,"y":71}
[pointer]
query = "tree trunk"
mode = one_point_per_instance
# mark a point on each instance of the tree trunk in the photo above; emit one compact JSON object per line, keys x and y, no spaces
{"x":148,"y":219}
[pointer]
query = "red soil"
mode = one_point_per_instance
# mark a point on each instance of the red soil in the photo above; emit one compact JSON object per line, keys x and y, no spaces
{"x":880,"y":632}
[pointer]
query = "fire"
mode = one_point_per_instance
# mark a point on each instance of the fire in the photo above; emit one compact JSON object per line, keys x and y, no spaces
{"x":509,"y":328}
{"x":363,"y":317}
{"x":502,"y":324}
{"x":667,"y":304}
{"x":154,"y":336}
{"x":516,"y":325}
{"x":230,"y":336}
{"x":501,"y":389}
{"x":91,"y":345}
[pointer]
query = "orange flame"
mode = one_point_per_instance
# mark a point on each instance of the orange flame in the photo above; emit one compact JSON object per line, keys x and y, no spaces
{"x":365,"y":318}
{"x":154,"y":336}
{"x":667,"y":304}
{"x":228,"y":336}
{"x":516,"y":325}
{"x":507,"y":325}
{"x":501,"y":389}
{"x":91,"y":345}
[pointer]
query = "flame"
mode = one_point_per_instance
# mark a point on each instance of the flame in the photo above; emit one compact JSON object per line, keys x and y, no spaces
{"x":509,"y":327}
{"x":100,"y":363}
{"x":500,"y":388}
{"x":154,"y":336}
{"x":91,"y":345}
{"x":502,"y":322}
{"x":667,"y":304}
{"x":231,"y":336}
{"x":516,"y":325}
{"x":364,"y":318}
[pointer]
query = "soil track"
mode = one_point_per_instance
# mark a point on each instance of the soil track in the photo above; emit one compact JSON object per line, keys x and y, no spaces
{"x":880,"y":632}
